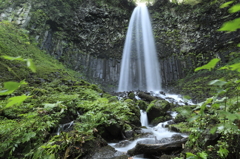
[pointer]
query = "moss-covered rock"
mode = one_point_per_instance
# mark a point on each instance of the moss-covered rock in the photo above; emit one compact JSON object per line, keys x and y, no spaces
{"x":157,"y":108}
{"x":180,"y":127}
{"x":160,"y":119}
{"x":142,"y":104}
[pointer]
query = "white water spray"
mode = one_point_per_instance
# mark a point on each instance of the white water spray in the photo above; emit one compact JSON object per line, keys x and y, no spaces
{"x":140,"y":69}
{"x":143,"y":118}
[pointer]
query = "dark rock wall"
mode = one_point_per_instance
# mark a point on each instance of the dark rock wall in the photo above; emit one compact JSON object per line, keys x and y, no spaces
{"x":87,"y":36}
{"x":187,"y":37}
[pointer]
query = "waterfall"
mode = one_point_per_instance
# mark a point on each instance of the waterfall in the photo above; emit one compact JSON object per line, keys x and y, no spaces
{"x":140,"y":69}
{"x":143,"y":118}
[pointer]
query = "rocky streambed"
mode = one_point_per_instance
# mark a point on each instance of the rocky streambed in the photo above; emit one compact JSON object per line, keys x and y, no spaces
{"x":149,"y":140}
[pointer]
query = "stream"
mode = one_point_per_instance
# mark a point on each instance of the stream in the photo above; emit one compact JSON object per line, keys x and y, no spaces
{"x":153,"y":134}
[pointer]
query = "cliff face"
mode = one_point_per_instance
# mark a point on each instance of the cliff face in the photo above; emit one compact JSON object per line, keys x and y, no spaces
{"x":86,"y":36}
{"x":89,"y":36}
{"x":187,"y":37}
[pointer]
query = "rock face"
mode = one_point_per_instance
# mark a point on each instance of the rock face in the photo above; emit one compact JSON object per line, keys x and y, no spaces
{"x":88,"y":36}
{"x":187,"y":37}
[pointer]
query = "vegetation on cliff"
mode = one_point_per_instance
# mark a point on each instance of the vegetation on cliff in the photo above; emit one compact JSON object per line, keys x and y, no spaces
{"x":34,"y":106}
{"x":214,"y":123}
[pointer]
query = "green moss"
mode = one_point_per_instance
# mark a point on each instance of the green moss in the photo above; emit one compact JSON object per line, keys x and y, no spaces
{"x":56,"y":96}
{"x":159,"y":104}
{"x":161,"y":119}
{"x":180,"y":127}
{"x":131,"y":95}
{"x":142,"y":104}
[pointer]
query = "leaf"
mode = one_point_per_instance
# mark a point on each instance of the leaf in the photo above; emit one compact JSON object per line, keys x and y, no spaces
{"x":238,"y":45}
{"x":213,"y":130}
{"x":19,"y":58}
{"x":209,"y":65}
{"x":217,"y":83}
{"x":203,"y":155}
{"x":191,"y":156}
{"x":17,"y":100}
{"x":49,"y":106}
{"x":10,"y":87}
{"x":31,"y":65}
{"x":235,"y":66}
{"x":221,"y":100}
{"x":193,"y":118}
{"x":230,"y":26}
{"x":185,"y":111}
{"x":52,"y":156}
{"x":235,"y":8}
{"x":224,"y":5}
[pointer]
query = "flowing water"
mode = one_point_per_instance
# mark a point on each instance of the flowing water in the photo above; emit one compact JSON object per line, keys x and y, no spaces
{"x":155,"y":134}
{"x":140,"y":69}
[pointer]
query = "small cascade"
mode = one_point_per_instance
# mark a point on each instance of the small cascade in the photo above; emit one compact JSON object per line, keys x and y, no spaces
{"x":143,"y":118}
{"x":65,"y":127}
{"x":153,"y":135}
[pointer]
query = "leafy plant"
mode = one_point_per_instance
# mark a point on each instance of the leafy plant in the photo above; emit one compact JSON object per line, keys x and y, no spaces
{"x":219,"y":114}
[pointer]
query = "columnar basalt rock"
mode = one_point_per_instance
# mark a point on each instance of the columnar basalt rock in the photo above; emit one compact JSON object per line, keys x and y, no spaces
{"x":187,"y":37}
{"x":89,"y":37}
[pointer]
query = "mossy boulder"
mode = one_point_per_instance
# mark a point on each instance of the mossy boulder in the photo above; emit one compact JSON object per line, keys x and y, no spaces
{"x":161,"y":119}
{"x":180,"y":127}
{"x":135,"y":119}
{"x":158,"y":108}
{"x":131,"y":95}
{"x":142,"y":105}
{"x":179,"y":118}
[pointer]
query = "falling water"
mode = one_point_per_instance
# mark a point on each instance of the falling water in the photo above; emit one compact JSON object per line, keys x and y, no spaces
{"x":140,"y":69}
{"x":143,"y":118}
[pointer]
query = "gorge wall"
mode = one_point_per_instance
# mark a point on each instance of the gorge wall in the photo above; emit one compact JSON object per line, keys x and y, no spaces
{"x":187,"y":37}
{"x":89,"y":36}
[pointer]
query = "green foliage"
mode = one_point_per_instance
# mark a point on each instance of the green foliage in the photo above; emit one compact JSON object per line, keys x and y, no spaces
{"x":224,"y":5}
{"x":10,"y":87}
{"x":232,"y":25}
{"x":30,"y":63}
{"x":33,"y":105}
{"x":200,"y":155}
{"x":218,"y":114}
{"x":209,"y":66}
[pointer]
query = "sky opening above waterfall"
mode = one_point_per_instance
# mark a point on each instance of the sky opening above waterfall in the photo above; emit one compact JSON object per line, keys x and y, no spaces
{"x":141,"y":3}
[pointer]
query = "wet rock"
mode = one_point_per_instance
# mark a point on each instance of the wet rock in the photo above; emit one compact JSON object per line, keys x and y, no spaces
{"x":157,"y":109}
{"x":158,"y":149}
{"x":179,"y":118}
{"x":123,"y":143}
{"x":113,"y":131}
{"x":146,"y":97}
{"x":107,"y":152}
{"x":161,"y":119}
{"x":142,"y":105}
{"x":128,"y":134}
{"x":173,"y":138}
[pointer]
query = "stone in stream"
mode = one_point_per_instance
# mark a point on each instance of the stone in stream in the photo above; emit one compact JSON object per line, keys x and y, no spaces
{"x":158,"y":148}
{"x":107,"y":152}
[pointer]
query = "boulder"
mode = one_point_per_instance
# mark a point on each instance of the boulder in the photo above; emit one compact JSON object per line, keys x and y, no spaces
{"x":159,"y":148}
{"x":158,"y":108}
{"x":146,"y":97}
{"x":107,"y":152}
